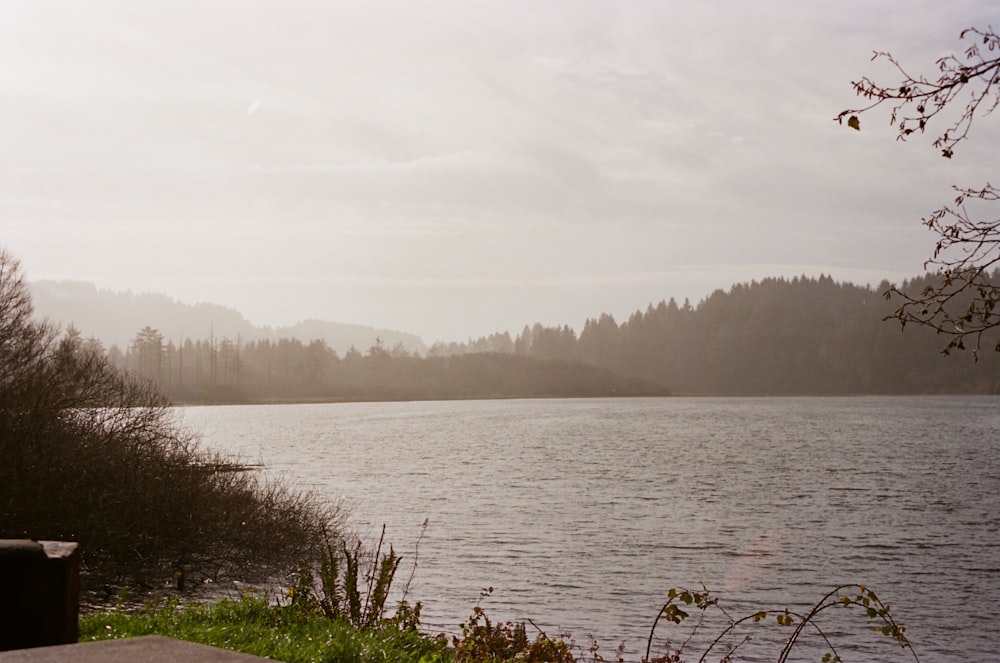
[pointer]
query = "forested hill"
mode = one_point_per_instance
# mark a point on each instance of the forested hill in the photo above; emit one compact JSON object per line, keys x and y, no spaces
{"x":776,"y":336}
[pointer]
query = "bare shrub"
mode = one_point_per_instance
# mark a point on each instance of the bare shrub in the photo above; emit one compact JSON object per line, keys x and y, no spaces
{"x":92,"y":455}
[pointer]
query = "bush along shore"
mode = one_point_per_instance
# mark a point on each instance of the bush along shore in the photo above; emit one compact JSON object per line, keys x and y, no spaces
{"x":337,"y":613}
{"x":93,"y":455}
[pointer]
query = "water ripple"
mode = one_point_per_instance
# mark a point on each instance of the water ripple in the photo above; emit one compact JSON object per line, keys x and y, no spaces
{"x":581,"y":513}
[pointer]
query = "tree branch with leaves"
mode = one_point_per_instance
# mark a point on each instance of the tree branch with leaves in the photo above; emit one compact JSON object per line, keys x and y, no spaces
{"x":961,"y":302}
{"x":916,"y":100}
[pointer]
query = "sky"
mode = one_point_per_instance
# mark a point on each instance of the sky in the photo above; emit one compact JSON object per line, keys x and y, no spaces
{"x":458,"y":168}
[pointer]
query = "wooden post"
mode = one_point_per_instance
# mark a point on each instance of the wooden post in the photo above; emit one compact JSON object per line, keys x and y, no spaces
{"x":39,"y":593}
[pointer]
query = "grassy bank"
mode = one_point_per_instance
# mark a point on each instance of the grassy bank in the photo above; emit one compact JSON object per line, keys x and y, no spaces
{"x":283,"y":633}
{"x":303,"y":630}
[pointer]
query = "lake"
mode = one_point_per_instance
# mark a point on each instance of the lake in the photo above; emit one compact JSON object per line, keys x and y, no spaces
{"x":582,"y":513}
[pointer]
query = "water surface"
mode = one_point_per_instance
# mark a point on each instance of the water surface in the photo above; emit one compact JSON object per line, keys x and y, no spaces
{"x":581,"y":513}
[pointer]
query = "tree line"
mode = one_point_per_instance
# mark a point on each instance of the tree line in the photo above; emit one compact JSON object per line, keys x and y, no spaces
{"x":776,"y":336}
{"x":224,"y":370}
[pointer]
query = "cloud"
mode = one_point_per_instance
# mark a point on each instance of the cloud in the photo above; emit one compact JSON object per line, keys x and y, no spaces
{"x":555,"y":156}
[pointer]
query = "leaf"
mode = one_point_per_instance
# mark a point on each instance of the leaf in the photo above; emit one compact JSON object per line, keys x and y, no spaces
{"x":854,"y":123}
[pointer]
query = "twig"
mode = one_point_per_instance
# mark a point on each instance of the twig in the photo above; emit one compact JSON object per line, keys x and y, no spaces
{"x":374,"y":571}
{"x":416,"y":552}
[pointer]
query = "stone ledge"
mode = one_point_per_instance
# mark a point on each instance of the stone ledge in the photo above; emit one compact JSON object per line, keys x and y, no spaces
{"x":148,"y":649}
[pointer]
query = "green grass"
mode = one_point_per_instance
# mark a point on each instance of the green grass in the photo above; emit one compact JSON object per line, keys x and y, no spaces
{"x":251,"y":626}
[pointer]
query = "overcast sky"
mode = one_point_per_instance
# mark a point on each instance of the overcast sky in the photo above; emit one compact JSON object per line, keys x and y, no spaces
{"x":457,"y":168}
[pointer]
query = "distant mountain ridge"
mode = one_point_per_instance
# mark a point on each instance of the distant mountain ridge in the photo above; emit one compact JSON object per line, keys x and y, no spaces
{"x":114,"y":318}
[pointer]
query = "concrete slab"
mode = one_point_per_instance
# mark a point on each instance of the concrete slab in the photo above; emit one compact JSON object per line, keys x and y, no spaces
{"x":147,"y":649}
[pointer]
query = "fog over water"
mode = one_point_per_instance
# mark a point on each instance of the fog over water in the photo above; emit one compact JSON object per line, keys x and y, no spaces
{"x":461,"y":168}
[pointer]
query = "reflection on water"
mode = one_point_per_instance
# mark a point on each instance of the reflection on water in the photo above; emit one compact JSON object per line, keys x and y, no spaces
{"x":581,"y":513}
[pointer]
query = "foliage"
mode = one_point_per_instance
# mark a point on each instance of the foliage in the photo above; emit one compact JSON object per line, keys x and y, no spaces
{"x":680,"y":601}
{"x":484,"y":640}
{"x":92,"y":455}
{"x":916,"y":100}
{"x":301,"y":631}
{"x":335,"y":589}
{"x":963,"y":304}
{"x":254,"y":626}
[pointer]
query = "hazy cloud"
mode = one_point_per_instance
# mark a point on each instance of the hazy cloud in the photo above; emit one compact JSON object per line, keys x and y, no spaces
{"x":457,"y":168}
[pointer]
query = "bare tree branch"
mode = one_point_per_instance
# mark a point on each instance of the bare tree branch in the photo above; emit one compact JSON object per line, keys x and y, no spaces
{"x":916,"y":100}
{"x":961,"y":302}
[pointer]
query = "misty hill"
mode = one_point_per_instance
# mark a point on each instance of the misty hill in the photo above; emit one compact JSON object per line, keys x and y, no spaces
{"x":114,"y":318}
{"x":776,"y":336}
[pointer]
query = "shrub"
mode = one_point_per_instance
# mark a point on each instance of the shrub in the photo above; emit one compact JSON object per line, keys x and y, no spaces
{"x":681,"y":601}
{"x":485,"y":640}
{"x":352,"y":586}
{"x":94,"y":456}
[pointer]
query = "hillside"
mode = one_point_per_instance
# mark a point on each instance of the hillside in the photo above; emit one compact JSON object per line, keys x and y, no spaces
{"x":114,"y":318}
{"x":778,"y":336}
